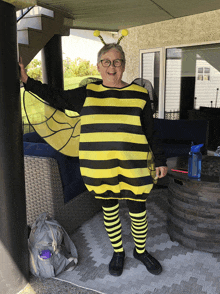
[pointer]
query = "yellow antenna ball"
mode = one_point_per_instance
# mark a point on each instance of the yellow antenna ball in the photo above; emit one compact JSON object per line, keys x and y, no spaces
{"x":96,"y":33}
{"x":124,"y":32}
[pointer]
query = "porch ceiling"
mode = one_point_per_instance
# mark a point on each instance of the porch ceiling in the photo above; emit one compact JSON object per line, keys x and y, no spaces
{"x":113,"y":15}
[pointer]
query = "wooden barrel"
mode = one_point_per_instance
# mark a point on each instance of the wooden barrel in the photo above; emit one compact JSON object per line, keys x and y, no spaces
{"x":194,"y":214}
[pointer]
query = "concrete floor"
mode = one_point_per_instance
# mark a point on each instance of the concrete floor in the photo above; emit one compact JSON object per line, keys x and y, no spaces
{"x":52,"y":286}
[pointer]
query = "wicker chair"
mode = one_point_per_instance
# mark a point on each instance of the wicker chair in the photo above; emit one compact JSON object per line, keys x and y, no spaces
{"x":44,"y":192}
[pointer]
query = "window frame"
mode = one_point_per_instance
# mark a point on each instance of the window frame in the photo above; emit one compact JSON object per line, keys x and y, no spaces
{"x":162,"y":50}
{"x":161,"y":101}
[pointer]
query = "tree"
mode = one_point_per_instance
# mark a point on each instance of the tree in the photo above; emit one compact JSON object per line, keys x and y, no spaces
{"x":34,"y":69}
{"x":78,"y":68}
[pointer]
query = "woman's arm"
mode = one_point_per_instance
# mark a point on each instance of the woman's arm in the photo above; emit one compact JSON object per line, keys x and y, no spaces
{"x":57,"y":98}
{"x":152,"y":136}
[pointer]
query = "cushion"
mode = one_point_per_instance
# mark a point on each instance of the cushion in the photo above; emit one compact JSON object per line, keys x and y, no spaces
{"x":173,"y":150}
{"x":187,"y":130}
{"x":33,"y":137}
{"x":177,"y":135}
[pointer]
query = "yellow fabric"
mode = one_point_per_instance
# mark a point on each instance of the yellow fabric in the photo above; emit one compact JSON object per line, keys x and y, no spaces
{"x":138,"y":215}
{"x":113,"y":226}
{"x":108,"y":210}
{"x":139,"y":228}
{"x":95,"y":112}
{"x":64,"y":133}
{"x":60,"y":130}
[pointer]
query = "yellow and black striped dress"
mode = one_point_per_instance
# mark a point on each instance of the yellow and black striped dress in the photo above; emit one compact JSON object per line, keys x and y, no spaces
{"x":113,"y":150}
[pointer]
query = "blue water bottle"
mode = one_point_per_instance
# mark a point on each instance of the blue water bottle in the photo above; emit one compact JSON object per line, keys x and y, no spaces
{"x":195,"y":162}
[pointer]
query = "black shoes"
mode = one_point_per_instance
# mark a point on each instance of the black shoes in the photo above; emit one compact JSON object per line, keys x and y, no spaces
{"x":152,"y":265}
{"x":117,"y":263}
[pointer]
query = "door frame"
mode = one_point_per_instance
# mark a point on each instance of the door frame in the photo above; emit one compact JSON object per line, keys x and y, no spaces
{"x":161,"y":98}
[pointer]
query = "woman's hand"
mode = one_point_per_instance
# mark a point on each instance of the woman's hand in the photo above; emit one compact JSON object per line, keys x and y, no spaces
{"x":23,"y":75}
{"x":161,"y":171}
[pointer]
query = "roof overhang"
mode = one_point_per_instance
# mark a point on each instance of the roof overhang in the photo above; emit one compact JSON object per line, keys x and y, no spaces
{"x":113,"y":15}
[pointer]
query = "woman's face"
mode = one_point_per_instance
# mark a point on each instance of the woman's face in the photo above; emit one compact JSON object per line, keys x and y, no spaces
{"x":111,"y":75}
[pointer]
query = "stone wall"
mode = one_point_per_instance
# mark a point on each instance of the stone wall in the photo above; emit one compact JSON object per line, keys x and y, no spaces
{"x":189,"y":30}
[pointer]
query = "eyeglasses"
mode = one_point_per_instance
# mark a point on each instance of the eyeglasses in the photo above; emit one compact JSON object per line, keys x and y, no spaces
{"x":107,"y":62}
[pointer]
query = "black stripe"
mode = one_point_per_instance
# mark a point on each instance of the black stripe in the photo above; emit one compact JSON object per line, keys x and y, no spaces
{"x":140,"y":223}
{"x":116,"y":242}
{"x":140,"y":238}
{"x":139,"y":244}
{"x":105,"y":146}
{"x":118,"y":231}
{"x":109,"y":225}
{"x":94,"y":128}
{"x":112,"y":212}
{"x":91,"y":110}
{"x":115,"y":181}
{"x":115,"y":236}
{"x":125,"y":94}
{"x":137,"y":224}
{"x":118,"y":247}
{"x":107,"y":164}
{"x":111,"y":219}
{"x":124,"y":194}
{"x":137,"y":231}
{"x":135,"y":219}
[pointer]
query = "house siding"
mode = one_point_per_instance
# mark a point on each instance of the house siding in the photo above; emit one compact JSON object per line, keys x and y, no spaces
{"x":148,"y":67}
{"x":173,"y":82}
{"x":205,"y":90}
{"x":189,"y":30}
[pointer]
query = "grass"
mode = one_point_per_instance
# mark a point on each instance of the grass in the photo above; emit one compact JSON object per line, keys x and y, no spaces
{"x":72,"y":83}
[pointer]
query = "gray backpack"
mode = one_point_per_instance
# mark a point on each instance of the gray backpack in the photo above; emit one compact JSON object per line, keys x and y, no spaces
{"x":51,"y":249}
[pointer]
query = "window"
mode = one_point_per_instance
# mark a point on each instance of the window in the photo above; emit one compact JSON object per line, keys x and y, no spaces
{"x":152,"y":69}
{"x":184,"y":78}
{"x":203,"y":74}
{"x":192,"y":78}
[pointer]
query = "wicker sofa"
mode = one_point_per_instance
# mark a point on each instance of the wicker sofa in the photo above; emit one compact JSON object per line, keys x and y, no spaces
{"x":50,"y":188}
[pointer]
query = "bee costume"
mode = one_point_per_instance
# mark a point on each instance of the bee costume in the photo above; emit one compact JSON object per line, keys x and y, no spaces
{"x":116,"y":162}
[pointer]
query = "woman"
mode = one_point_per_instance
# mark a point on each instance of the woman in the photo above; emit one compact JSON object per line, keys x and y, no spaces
{"x":115,"y":140}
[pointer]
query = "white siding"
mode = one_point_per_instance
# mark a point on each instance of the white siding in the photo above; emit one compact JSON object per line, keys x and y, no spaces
{"x":205,"y":91}
{"x":173,"y":82}
{"x":148,"y":67}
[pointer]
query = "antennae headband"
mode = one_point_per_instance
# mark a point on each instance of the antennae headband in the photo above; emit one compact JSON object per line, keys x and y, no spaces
{"x":123,"y":34}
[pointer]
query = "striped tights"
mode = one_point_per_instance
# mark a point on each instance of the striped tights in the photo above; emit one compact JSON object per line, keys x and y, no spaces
{"x":139,"y":225}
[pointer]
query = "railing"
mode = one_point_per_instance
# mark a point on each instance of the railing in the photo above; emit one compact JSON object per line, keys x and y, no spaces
{"x":172,"y":115}
{"x":21,"y":13}
{"x":27,"y":128}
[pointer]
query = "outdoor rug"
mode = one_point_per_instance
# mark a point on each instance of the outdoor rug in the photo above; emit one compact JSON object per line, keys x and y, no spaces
{"x":185,"y":271}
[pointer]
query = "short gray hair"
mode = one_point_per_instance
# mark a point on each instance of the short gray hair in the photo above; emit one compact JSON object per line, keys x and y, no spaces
{"x":108,"y":47}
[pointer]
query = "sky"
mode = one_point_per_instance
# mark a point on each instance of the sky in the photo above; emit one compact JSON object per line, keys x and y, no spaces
{"x":82,"y":43}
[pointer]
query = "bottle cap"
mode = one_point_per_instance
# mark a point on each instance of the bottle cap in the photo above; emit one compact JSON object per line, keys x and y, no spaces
{"x":196,"y":148}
